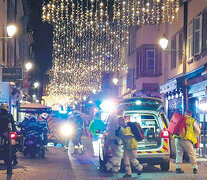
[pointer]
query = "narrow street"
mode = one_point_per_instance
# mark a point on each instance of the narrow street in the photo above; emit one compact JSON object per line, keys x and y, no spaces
{"x":61,"y":165}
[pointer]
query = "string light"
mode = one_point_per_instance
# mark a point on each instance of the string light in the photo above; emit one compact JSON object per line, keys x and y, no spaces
{"x":91,"y":37}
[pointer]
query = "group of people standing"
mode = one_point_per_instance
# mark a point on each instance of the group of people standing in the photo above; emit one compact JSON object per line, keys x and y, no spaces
{"x":122,"y":135}
{"x":124,"y":145}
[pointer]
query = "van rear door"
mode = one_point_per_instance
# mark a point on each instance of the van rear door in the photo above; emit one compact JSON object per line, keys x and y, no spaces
{"x":150,"y":128}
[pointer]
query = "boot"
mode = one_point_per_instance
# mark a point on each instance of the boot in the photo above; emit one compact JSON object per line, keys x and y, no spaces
{"x":139,"y":173}
{"x":195,"y":170}
{"x":179,"y":171}
{"x":127,"y":175}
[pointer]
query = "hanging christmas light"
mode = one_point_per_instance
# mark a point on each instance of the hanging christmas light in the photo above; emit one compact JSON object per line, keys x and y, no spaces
{"x":91,"y":37}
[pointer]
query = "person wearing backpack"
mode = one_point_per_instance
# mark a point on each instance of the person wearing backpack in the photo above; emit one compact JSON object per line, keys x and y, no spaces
{"x":184,"y":142}
{"x":129,"y":146}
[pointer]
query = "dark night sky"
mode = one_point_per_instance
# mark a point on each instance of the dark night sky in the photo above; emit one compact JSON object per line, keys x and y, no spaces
{"x":42,"y":35}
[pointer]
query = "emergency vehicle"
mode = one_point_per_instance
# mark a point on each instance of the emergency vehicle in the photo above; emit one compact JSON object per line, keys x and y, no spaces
{"x":154,"y":149}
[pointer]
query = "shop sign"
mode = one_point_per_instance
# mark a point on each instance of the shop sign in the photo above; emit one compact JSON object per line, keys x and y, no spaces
{"x":12,"y":74}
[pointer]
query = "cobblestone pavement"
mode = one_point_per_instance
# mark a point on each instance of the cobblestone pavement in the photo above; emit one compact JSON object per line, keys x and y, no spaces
{"x":61,"y":165}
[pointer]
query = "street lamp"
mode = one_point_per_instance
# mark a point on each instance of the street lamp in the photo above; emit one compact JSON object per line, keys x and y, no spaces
{"x":163,"y":42}
{"x":11,"y":31}
{"x":36,"y":85}
{"x":28,"y":66}
{"x":115,"y":81}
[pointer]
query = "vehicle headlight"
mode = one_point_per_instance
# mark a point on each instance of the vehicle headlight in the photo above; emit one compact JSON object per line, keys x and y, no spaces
{"x":66,"y":130}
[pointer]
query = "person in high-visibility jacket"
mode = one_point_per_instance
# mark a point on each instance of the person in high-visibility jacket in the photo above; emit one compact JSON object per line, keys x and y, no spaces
{"x":96,"y":127}
{"x":130,"y":148}
{"x":185,"y":142}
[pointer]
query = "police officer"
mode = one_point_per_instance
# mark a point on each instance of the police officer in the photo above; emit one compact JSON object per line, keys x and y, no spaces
{"x":43,"y":121}
{"x":7,"y":119}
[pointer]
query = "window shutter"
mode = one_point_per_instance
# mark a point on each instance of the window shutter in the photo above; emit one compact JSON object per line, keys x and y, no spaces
{"x":190,"y":40}
{"x":181,"y":46}
{"x":204,"y":30}
{"x":197,"y":35}
{"x":173,"y":53}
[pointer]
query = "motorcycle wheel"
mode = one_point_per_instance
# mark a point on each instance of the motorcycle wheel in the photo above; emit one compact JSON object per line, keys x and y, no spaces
{"x":33,"y":153}
{"x":43,"y":152}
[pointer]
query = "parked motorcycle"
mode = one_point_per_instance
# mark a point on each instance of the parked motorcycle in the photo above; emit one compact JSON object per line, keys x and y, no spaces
{"x":33,"y":144}
{"x":5,"y":140}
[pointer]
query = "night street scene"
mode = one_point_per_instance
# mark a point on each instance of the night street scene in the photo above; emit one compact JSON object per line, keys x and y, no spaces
{"x":103,"y":89}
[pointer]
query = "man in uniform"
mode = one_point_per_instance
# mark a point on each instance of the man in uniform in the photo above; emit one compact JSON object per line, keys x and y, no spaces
{"x":7,"y":124}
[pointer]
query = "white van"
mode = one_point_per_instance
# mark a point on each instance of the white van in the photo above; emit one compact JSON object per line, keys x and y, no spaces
{"x":154,"y":149}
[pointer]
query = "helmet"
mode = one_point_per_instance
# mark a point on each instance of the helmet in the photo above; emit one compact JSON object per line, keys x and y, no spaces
{"x":26,"y":117}
{"x":32,"y":118}
{"x":5,"y":106}
{"x":44,"y":115}
{"x":76,"y":113}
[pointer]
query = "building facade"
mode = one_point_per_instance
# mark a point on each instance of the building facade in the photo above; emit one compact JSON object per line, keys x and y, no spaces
{"x":16,"y":51}
{"x":154,"y":72}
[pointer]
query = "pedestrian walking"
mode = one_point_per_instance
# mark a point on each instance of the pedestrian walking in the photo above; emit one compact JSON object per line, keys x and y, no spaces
{"x":43,"y":121}
{"x":96,"y":127}
{"x":130,"y":148}
{"x":185,"y":142}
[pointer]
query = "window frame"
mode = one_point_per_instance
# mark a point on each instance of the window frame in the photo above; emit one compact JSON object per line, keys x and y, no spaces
{"x":199,"y":17}
{"x":147,"y":62}
{"x":190,"y":40}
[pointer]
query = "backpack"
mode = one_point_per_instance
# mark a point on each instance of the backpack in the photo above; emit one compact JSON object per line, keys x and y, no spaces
{"x":177,"y":123}
{"x":136,"y":130}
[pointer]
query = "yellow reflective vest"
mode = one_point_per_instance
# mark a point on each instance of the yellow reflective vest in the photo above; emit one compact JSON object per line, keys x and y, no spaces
{"x":129,"y":141}
{"x":189,"y":132}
